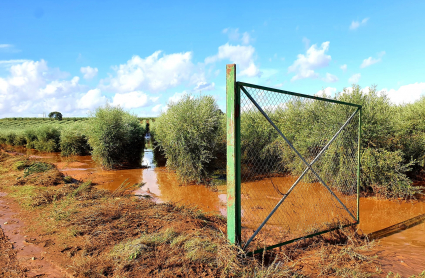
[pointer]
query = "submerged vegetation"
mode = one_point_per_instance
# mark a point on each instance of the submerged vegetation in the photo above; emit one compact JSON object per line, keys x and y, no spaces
{"x":114,"y":137}
{"x":390,"y":149}
{"x":191,"y":138}
{"x":90,"y":232}
{"x":190,"y":135}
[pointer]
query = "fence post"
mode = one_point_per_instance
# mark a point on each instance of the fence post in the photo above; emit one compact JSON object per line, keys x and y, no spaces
{"x":233,"y":157}
{"x":359,"y":144}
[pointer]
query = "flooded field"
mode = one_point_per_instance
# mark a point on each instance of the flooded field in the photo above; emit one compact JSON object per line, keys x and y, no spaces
{"x":162,"y":186}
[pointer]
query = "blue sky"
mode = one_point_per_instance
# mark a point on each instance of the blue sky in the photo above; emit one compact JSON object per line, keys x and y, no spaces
{"x":73,"y":56}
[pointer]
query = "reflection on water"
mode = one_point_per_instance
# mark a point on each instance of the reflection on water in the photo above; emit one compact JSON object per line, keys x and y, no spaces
{"x":163,"y":186}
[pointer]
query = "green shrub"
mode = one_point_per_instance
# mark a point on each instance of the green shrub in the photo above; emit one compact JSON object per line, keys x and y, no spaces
{"x":309,"y":125}
{"x":385,"y":172}
{"x":257,"y":136}
{"x":410,"y":131}
{"x":20,"y":139}
{"x":189,"y":136}
{"x":116,"y":137}
{"x":48,"y":137}
{"x":73,"y":140}
{"x":10,"y":138}
{"x":30,"y":137}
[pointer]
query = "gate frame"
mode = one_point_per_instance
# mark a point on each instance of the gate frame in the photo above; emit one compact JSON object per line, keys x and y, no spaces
{"x":234,"y":219}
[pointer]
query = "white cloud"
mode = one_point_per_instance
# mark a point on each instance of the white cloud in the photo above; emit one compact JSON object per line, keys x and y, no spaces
{"x":8,"y":63}
{"x":130,"y":100}
{"x":157,"y":108}
{"x":91,"y":100}
{"x":32,"y":88}
{"x":177,"y":96}
{"x":407,"y":93}
{"x":370,"y":61}
{"x":154,"y":99}
{"x":330,"y":78}
{"x":204,"y":86}
{"x":154,"y":73}
{"x":89,"y":72}
{"x":305,"y":65}
{"x":329,"y":91}
{"x":280,"y":85}
{"x":242,"y":56}
{"x":246,"y":38}
{"x":356,"y":24}
{"x":343,"y":67}
{"x":5,"y":45}
{"x":234,"y":35}
{"x":354,"y":78}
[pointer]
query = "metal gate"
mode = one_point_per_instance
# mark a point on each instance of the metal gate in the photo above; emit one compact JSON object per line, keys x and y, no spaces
{"x":293,"y":167}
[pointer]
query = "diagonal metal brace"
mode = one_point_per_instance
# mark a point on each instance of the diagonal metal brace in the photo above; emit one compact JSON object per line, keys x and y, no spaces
{"x":305,"y":162}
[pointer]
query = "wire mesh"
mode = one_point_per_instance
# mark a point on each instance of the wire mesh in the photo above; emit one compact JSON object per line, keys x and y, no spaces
{"x":325,"y":134}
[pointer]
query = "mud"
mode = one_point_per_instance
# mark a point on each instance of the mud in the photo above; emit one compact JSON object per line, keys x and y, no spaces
{"x":403,"y":252}
{"x":31,"y":261}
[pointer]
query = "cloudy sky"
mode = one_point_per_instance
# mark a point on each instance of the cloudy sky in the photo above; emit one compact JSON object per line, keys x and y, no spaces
{"x":73,"y":56}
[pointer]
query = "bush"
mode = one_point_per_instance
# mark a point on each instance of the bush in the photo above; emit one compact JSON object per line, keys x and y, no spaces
{"x":257,"y":136}
{"x":410,"y":131}
{"x":48,"y":138}
{"x":116,"y":137}
{"x":309,"y":125}
{"x":73,"y":140}
{"x":385,"y":172}
{"x":20,"y":139}
{"x":189,"y":135}
{"x":30,"y":137}
{"x":10,"y":138}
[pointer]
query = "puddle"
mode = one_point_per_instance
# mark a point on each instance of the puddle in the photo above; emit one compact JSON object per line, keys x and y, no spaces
{"x":162,"y":186}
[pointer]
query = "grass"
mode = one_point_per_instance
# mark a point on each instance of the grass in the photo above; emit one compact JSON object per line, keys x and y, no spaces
{"x":100,"y":233}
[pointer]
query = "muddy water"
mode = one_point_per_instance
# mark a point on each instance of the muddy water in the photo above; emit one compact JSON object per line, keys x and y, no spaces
{"x":308,"y":202}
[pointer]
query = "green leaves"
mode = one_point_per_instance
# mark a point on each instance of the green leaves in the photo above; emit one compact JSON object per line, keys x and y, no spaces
{"x":190,"y":134}
{"x":116,"y":137}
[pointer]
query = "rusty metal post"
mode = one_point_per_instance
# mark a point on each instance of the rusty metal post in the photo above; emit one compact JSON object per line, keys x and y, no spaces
{"x":233,"y":157}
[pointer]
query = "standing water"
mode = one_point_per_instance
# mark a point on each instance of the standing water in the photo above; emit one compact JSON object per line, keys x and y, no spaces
{"x":162,"y":185}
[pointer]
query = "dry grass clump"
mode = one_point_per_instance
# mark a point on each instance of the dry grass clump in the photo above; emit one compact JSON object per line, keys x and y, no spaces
{"x":40,"y":174}
{"x":95,"y":233}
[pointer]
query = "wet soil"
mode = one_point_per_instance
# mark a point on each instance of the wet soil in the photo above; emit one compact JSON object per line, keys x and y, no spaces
{"x":402,"y":252}
{"x":26,"y":253}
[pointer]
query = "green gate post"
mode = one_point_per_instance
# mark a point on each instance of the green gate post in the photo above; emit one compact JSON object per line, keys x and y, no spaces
{"x":359,"y":144}
{"x":233,"y":157}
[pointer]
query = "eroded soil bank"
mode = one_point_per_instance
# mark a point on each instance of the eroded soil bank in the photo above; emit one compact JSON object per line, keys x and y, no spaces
{"x":163,"y":186}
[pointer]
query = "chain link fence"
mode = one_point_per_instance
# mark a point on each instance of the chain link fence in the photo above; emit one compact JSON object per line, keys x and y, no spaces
{"x":298,"y":165}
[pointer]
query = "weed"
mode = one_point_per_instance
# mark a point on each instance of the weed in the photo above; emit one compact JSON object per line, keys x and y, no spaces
{"x":125,"y":188}
{"x":20,"y":165}
{"x":37,"y":167}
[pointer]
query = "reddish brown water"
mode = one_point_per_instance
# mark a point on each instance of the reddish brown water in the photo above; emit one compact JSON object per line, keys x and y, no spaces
{"x":163,"y":186}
